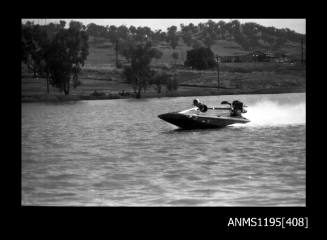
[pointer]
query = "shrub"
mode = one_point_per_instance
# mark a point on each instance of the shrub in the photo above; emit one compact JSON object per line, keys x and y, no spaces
{"x":200,"y":59}
{"x":159,"y":78}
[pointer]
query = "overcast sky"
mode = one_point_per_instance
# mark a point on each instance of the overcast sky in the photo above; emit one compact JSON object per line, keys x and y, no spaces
{"x":298,"y":25}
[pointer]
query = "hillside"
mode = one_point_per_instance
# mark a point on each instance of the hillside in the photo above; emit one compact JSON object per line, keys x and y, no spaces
{"x":100,"y":73}
{"x":103,"y":55}
{"x":231,"y":43}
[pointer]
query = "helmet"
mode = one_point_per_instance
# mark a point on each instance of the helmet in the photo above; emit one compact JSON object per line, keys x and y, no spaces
{"x":196,"y":102}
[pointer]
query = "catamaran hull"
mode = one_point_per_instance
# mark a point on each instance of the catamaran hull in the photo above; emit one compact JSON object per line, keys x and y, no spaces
{"x":199,"y":122}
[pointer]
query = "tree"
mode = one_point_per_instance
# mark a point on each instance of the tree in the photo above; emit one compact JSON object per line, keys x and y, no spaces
{"x":201,"y":26}
{"x":157,"y":54}
{"x":187,"y":38}
{"x":208,"y":33}
{"x":122,"y":37}
{"x":207,"y":38}
{"x":163,"y":36}
{"x":187,"y":34}
{"x":96,"y":31}
{"x":91,"y":29}
{"x":132,"y":30}
{"x":196,"y":44}
{"x":172,"y":37}
{"x":158,"y":36}
{"x":62,"y":24}
{"x":221,"y":29}
{"x":235,"y":27}
{"x":158,"y":79}
{"x":143,"y":34}
{"x":52,"y":29}
{"x":55,"y":52}
{"x":201,"y":58}
{"x":65,"y":56}
{"x":175,"y":56}
{"x":79,"y":49}
{"x":139,"y":72}
{"x":125,"y":47}
{"x":35,"y":45}
{"x":114,"y":39}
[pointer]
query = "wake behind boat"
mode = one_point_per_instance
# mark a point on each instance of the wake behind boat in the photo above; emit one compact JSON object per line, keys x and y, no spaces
{"x":201,"y":116}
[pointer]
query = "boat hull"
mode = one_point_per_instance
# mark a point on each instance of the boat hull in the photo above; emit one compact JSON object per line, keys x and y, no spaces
{"x":187,"y":121}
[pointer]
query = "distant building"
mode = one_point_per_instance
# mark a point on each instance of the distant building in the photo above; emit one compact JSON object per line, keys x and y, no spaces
{"x":257,"y":56}
{"x":283,"y":58}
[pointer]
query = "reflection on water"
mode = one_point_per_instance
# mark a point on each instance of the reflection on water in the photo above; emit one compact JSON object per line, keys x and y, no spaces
{"x":117,"y":152}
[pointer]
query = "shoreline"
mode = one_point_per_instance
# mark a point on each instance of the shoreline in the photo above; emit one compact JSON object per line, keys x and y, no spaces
{"x":62,"y":98}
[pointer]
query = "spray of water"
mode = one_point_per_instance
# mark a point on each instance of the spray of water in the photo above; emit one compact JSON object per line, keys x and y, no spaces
{"x":272,"y":113}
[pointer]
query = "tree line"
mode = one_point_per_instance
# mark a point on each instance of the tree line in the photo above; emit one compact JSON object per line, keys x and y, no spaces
{"x":58,"y":52}
{"x":202,"y":35}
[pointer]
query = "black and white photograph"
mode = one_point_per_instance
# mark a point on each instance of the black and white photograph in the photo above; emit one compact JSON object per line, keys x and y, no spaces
{"x":163,"y":112}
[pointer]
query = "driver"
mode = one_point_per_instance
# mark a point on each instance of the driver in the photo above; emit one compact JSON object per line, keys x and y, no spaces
{"x":201,"y":106}
{"x":196,"y":102}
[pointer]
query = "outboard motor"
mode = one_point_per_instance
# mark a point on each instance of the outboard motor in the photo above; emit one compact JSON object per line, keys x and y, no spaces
{"x":237,"y":108}
{"x":201,"y":106}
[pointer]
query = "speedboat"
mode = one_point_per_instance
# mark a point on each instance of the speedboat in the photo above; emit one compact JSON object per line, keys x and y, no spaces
{"x":201,"y":116}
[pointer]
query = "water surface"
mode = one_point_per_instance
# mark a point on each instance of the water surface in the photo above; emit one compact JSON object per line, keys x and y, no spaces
{"x":118,"y":153}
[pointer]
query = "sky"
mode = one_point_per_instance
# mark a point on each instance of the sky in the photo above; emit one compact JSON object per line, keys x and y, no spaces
{"x":298,"y":25}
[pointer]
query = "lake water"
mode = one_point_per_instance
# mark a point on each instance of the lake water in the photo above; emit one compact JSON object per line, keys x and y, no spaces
{"x":119,"y":153}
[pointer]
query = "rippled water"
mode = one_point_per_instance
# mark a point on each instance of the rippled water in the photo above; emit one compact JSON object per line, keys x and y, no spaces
{"x":117,"y":152}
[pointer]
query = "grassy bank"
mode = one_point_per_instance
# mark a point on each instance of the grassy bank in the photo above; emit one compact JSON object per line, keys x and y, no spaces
{"x":191,"y":91}
{"x":101,"y":77}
